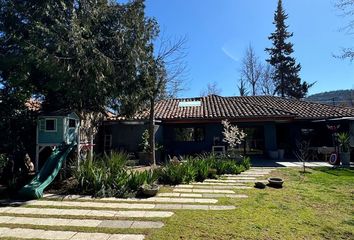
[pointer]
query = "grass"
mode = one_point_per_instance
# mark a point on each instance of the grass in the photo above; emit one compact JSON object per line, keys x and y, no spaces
{"x":317,"y":205}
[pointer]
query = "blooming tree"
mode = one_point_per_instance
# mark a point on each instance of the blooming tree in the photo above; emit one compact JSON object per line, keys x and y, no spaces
{"x":232,"y":134}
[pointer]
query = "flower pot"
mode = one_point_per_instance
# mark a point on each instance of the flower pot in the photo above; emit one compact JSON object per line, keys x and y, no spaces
{"x":345,"y":158}
{"x":273,"y":154}
{"x":150,"y":190}
{"x":281,"y":153}
{"x":276,"y":182}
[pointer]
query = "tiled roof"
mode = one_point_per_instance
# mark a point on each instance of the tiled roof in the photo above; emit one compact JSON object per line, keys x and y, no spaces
{"x":217,"y":107}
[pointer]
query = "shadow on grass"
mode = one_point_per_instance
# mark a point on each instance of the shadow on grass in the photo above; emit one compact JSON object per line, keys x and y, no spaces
{"x":306,"y":172}
{"x":336,"y":171}
{"x":12,"y":203}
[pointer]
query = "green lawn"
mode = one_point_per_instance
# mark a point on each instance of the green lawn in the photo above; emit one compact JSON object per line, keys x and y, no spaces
{"x":317,"y":205}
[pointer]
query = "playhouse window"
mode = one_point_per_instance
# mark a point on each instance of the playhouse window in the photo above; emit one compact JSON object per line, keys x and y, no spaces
{"x":51,"y":125}
{"x":72,"y":123}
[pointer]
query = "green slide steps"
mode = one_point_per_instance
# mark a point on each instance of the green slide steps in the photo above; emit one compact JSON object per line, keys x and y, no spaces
{"x":47,"y":174}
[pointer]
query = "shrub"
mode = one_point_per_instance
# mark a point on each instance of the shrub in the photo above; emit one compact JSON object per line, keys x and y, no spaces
{"x":108,"y":177}
{"x":172,"y":174}
{"x":246,"y":163}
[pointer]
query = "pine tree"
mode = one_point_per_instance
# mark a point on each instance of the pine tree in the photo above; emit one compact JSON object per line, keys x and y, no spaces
{"x":286,"y":75}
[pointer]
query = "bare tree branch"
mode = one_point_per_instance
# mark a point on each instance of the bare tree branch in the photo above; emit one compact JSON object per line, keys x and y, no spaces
{"x":211,"y":89}
{"x":251,"y":69}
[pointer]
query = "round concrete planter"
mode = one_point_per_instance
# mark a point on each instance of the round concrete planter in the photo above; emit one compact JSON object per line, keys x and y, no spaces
{"x":150,"y":190}
{"x":276,"y":182}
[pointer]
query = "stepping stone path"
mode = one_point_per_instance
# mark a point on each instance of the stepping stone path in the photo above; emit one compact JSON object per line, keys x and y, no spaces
{"x":112,"y":213}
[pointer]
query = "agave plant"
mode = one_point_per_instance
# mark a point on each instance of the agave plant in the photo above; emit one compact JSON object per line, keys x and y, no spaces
{"x":344,"y":141}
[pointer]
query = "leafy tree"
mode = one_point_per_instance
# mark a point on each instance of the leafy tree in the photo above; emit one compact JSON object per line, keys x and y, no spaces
{"x":286,"y":70}
{"x":76,"y":54}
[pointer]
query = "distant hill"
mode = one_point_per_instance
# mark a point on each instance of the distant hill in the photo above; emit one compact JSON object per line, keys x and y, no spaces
{"x":337,"y":98}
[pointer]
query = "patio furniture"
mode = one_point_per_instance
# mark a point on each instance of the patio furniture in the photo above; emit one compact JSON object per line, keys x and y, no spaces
{"x":326,"y":151}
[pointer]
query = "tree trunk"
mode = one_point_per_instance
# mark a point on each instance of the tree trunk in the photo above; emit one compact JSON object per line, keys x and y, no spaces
{"x":152,"y":131}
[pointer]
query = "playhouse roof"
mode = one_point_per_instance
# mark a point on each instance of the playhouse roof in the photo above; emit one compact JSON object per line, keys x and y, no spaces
{"x":62,"y":112}
{"x":249,"y":107}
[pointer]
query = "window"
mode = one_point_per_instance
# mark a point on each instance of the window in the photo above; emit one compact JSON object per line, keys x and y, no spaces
{"x":51,"y":125}
{"x":190,"y":104}
{"x":193,"y":134}
{"x":72,"y":123}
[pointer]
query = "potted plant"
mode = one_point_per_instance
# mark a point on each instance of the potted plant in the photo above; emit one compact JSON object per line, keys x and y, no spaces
{"x":344,"y":153}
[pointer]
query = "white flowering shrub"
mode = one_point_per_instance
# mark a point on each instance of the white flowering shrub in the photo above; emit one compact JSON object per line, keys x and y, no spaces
{"x":233,"y":136}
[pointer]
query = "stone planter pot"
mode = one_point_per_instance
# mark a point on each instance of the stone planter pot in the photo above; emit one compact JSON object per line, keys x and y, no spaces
{"x":150,"y":190}
{"x":281,"y":153}
{"x":276,"y":182}
{"x":345,"y":158}
{"x":259,"y":185}
{"x":273,"y":155}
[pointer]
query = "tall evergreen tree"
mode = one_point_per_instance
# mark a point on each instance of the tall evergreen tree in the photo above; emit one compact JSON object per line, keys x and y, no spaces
{"x":286,"y":70}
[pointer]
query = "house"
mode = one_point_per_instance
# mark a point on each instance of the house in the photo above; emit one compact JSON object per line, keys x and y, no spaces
{"x":193,"y":125}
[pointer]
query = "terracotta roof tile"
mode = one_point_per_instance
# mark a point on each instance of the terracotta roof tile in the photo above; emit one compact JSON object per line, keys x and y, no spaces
{"x":214,"y":106}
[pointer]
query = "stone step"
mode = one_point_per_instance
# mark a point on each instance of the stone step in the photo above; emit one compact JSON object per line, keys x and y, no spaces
{"x":25,"y":233}
{"x":201,"y":195}
{"x":83,"y":212}
{"x":260,"y":169}
{"x":219,"y":184}
{"x":238,"y":178}
{"x":253,"y":175}
{"x":119,"y":205}
{"x":79,"y":222}
{"x":192,"y":186}
{"x":152,"y":199}
{"x":235,"y":181}
{"x":192,"y":190}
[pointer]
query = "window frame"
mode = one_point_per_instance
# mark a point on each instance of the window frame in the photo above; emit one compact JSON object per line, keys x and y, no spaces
{"x":72,"y":119}
{"x":55,"y":124}
{"x":194,"y":135}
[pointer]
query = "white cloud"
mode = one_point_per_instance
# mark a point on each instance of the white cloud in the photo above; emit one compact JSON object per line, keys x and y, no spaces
{"x":229,"y":54}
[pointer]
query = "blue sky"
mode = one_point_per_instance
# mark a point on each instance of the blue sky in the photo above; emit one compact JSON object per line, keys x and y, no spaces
{"x":218,"y":31}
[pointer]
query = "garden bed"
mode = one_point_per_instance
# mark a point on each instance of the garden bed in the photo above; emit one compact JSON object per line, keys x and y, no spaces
{"x":110,"y":177}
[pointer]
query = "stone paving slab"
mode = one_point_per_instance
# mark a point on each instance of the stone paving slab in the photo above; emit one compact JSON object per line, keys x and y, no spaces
{"x":208,"y":195}
{"x":127,"y":205}
{"x":200,"y":186}
{"x":219,"y":184}
{"x":238,"y":178}
{"x":36,"y":233}
{"x":80,"y":222}
{"x":235,"y":181}
{"x":218,"y":195}
{"x":92,"y":204}
{"x":151,"y":199}
{"x":92,"y":213}
{"x":202,"y":190}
